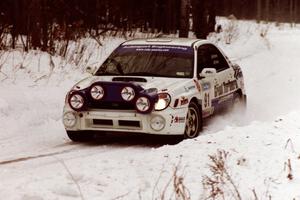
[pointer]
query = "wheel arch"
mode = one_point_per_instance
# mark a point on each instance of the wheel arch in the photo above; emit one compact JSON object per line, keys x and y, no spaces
{"x":241,"y":95}
{"x":240,"y":92}
{"x":194,"y":104}
{"x":197,"y":102}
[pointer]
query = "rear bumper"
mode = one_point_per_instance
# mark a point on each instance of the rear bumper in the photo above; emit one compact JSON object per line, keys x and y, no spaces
{"x":128,"y":121}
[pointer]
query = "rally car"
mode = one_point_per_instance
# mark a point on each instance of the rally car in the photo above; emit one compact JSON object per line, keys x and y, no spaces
{"x":154,"y":86}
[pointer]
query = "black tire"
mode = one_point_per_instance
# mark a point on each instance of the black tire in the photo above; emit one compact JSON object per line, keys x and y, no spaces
{"x":80,"y":136}
{"x":194,"y":121}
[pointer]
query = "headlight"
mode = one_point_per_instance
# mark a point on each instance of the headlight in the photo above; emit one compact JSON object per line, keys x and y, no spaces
{"x":157,"y":123}
{"x":97,"y":92}
{"x":143,"y":104}
{"x":69,"y":119}
{"x":163,"y":102}
{"x":128,"y":93}
{"x":76,"y":101}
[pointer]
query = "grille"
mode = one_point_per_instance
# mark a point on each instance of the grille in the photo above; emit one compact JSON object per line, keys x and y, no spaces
{"x":105,"y":122}
{"x":129,"y":123}
{"x":113,"y":106}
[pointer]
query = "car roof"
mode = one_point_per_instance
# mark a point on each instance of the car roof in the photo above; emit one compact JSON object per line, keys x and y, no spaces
{"x":165,"y":41}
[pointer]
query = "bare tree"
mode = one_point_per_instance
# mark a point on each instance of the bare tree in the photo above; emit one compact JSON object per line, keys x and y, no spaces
{"x":267,"y":10}
{"x":184,"y":19}
{"x":258,"y":5}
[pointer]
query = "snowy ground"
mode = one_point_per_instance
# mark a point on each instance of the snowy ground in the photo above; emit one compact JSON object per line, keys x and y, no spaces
{"x":37,"y":161}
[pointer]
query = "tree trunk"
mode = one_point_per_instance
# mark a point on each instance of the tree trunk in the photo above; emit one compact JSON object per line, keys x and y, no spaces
{"x":169,"y":11}
{"x":153,"y":24}
{"x":278,"y":11}
{"x":35,"y":24}
{"x":184,"y":19}
{"x":200,"y":24}
{"x":267,"y":10}
{"x":296,"y":12}
{"x":14,"y":11}
{"x":212,"y":16}
{"x":258,"y":7}
{"x":292,"y":20}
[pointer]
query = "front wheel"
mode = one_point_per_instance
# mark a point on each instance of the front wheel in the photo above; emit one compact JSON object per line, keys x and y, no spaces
{"x":80,"y":136}
{"x":193,"y":123}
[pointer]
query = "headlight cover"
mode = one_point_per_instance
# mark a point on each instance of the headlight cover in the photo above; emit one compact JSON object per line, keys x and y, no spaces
{"x":76,"y":101}
{"x":143,"y":104}
{"x":164,"y":100}
{"x":127,"y":94}
{"x":97,"y":92}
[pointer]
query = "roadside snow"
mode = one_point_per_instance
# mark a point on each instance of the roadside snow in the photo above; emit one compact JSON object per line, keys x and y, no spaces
{"x":37,"y":161}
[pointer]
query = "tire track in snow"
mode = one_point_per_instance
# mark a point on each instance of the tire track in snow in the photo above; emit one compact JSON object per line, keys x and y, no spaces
{"x":115,"y":145}
{"x":5,"y":162}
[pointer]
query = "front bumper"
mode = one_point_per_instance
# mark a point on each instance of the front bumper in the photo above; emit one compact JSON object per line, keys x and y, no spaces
{"x":128,"y":121}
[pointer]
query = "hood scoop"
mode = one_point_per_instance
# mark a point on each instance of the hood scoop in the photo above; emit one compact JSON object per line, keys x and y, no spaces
{"x":130,"y":79}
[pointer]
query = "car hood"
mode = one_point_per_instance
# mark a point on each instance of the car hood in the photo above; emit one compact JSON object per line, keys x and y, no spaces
{"x":161,"y":83}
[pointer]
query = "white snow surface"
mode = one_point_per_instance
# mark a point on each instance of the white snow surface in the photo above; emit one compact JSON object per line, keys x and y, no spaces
{"x":39,"y":162}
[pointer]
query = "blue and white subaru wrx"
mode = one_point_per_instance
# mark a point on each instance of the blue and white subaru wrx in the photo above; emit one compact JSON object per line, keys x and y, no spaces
{"x":154,"y":86}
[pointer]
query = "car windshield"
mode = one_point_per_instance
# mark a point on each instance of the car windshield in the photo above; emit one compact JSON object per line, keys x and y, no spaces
{"x":149,"y":60}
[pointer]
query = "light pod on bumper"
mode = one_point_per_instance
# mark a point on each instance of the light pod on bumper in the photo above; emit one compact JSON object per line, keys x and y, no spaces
{"x":127,"y":94}
{"x":157,"y":123}
{"x":143,"y":104}
{"x":76,"y":101}
{"x":97,"y":92}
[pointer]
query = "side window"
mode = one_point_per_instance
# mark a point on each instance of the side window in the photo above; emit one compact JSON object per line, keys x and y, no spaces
{"x":217,"y":59}
{"x":203,"y":58}
{"x":210,"y":57}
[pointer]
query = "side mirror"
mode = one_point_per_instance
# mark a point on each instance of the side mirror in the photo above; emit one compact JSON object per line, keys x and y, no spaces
{"x":207,"y":73}
{"x":90,"y":69}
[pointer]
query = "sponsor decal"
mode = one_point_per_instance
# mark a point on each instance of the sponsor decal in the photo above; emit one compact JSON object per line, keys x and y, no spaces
{"x":156,"y":48}
{"x":177,"y":120}
{"x":184,"y":101}
{"x":219,"y":90}
{"x":222,"y":101}
{"x":206,"y":86}
{"x":191,"y":87}
{"x":230,"y":86}
{"x":225,"y":88}
{"x":197,"y":85}
{"x":206,"y":100}
{"x":226,"y":98}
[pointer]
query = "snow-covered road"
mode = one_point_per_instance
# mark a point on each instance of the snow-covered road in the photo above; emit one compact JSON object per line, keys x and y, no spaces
{"x":37,"y":161}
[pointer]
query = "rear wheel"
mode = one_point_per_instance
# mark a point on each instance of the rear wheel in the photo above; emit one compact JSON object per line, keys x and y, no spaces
{"x":80,"y":136}
{"x":193,"y":121}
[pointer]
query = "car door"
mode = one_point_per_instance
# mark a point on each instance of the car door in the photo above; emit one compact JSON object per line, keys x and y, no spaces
{"x":224,"y":84}
{"x":217,"y":89}
{"x":207,"y":83}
